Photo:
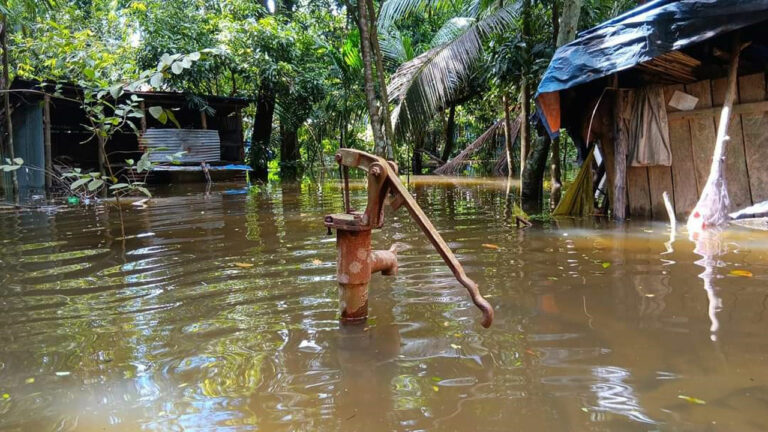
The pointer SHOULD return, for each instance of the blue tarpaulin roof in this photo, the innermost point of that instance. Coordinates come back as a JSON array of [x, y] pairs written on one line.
[[643, 33]]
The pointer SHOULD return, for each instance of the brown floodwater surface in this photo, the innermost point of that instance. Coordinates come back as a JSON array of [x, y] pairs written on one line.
[[218, 311]]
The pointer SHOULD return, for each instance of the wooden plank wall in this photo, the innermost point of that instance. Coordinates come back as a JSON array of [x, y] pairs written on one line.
[[693, 141]]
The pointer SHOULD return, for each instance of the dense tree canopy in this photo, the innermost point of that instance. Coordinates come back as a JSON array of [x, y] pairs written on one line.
[[427, 78]]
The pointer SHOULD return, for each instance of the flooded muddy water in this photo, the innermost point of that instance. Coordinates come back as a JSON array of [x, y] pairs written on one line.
[[219, 311]]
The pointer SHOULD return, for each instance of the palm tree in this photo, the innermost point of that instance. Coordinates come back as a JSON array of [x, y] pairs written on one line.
[[428, 83]]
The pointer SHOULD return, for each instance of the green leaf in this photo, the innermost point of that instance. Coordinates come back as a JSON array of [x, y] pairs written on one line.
[[144, 190], [172, 118], [195, 56], [156, 111], [692, 400], [79, 183], [116, 91], [95, 184], [119, 186], [177, 68], [18, 161], [129, 161], [156, 80], [166, 59], [89, 73]]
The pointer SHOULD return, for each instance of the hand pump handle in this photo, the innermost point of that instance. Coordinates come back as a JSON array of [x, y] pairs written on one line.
[[382, 179]]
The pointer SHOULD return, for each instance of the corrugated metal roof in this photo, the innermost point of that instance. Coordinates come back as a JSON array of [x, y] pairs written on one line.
[[200, 145]]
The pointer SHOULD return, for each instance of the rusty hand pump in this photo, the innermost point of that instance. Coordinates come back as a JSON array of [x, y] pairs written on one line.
[[356, 262]]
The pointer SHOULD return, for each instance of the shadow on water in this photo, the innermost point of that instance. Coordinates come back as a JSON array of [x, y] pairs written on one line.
[[219, 311]]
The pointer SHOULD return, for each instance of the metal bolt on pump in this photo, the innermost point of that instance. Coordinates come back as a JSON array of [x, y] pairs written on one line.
[[356, 261]]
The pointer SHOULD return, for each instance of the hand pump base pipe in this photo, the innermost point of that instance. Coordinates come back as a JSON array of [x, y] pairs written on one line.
[[356, 261]]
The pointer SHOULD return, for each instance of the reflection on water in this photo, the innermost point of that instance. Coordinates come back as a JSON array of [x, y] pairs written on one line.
[[218, 311], [710, 246]]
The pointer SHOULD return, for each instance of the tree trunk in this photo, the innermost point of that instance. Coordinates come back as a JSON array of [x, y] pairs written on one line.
[[569, 21], [566, 32], [556, 185], [379, 142], [417, 157], [525, 125], [508, 138], [262, 133], [289, 152], [7, 105], [532, 194], [374, 38], [450, 131], [555, 22]]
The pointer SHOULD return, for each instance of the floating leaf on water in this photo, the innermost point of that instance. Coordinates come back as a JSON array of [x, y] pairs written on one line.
[[606, 264], [316, 261], [692, 400], [454, 346], [490, 246], [243, 265], [585, 409], [64, 373], [436, 388], [436, 379], [29, 380], [742, 273], [6, 396]]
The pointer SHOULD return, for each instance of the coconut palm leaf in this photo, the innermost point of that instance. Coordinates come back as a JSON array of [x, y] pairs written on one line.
[[455, 165], [395, 47], [450, 30], [425, 85], [392, 10]]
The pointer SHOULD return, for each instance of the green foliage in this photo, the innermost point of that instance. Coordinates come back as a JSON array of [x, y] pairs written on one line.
[[306, 55], [11, 165]]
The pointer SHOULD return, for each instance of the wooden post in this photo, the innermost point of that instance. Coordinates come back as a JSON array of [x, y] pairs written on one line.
[[620, 147], [47, 140], [712, 208], [144, 118], [142, 125], [241, 138], [203, 120]]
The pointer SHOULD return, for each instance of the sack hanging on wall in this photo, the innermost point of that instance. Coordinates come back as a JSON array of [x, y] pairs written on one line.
[[649, 129]]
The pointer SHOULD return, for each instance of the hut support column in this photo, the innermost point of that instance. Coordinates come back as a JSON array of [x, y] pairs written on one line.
[[619, 159], [47, 141], [712, 208], [203, 120]]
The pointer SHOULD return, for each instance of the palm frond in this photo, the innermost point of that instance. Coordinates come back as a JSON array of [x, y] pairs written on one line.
[[453, 166], [450, 30], [392, 10], [426, 84], [395, 48]]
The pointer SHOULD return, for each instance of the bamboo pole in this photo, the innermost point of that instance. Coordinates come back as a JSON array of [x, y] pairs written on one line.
[[711, 210]]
